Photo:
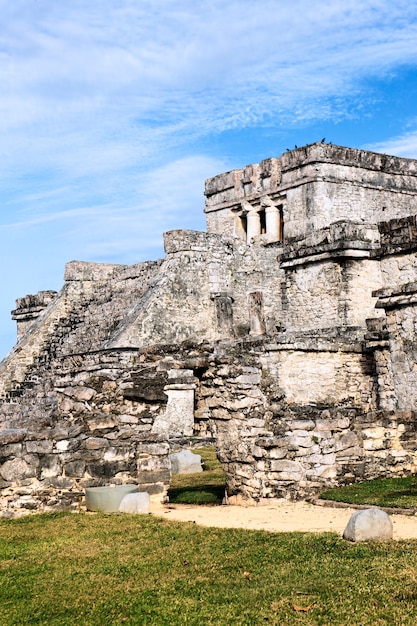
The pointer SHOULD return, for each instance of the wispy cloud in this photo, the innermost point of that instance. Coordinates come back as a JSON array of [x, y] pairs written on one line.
[[197, 67], [131, 224], [405, 145], [93, 91], [110, 110]]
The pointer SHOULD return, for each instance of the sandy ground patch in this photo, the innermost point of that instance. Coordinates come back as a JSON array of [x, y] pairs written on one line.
[[285, 517]]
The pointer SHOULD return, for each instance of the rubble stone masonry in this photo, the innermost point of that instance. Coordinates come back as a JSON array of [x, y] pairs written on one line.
[[284, 336]]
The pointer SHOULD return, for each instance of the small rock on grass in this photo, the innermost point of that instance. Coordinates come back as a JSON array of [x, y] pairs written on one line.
[[369, 525]]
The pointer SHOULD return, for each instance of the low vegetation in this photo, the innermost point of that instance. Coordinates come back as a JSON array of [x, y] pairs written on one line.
[[203, 488], [95, 569], [383, 492]]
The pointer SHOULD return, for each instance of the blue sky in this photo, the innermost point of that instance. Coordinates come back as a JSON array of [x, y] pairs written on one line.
[[113, 112]]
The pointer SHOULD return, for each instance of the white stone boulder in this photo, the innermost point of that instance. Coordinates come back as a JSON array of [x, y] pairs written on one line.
[[368, 525], [185, 462], [135, 503]]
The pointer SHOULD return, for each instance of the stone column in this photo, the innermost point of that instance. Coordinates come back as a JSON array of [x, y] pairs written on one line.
[[273, 222], [253, 224], [273, 219], [256, 314], [178, 419], [224, 314]]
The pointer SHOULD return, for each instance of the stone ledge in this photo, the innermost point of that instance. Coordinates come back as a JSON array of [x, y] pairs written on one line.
[[334, 252]]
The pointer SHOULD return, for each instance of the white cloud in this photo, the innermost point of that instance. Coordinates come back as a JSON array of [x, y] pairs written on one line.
[[405, 145], [167, 197], [198, 63], [108, 107]]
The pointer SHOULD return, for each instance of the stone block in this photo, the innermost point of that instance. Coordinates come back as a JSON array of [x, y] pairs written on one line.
[[16, 470], [302, 425], [325, 472], [105, 470], [374, 444], [59, 433], [185, 462], [288, 476], [152, 449], [12, 449], [346, 440], [248, 379], [81, 394], [74, 469], [135, 503], [221, 414], [58, 482], [356, 452], [276, 453], [96, 443], [50, 466], [322, 459], [63, 445], [295, 442], [154, 489], [369, 525], [152, 464], [12, 435], [103, 422], [157, 476], [39, 447], [322, 424], [286, 466], [128, 419]]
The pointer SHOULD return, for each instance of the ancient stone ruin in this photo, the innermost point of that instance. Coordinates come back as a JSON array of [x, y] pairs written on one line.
[[285, 334]]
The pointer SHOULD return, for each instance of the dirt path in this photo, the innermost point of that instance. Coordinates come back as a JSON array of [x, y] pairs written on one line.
[[282, 517]]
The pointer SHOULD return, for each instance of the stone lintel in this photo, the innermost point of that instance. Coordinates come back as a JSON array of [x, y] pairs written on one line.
[[331, 255], [180, 386], [315, 345], [23, 315], [376, 344], [398, 290], [393, 297], [396, 301]]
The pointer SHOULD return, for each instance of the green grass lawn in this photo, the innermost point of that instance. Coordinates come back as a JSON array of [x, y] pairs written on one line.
[[383, 492], [203, 488], [96, 569]]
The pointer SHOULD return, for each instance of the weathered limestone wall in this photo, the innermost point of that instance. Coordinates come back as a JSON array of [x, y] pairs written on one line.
[[274, 445], [330, 293], [400, 306], [316, 204], [80, 318], [93, 427], [316, 185], [288, 420], [393, 342], [338, 375], [294, 348], [203, 292]]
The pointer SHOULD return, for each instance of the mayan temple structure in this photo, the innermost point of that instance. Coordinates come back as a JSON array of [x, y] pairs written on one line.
[[285, 335]]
